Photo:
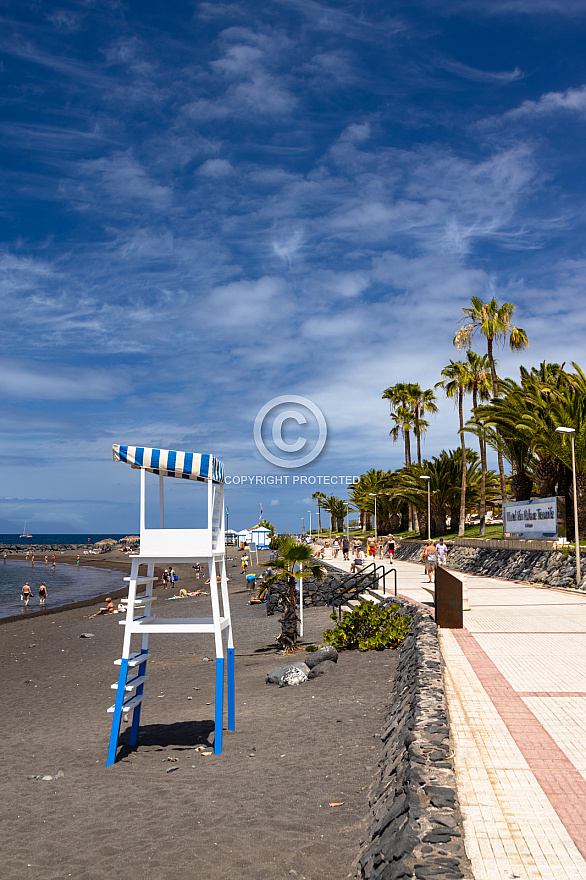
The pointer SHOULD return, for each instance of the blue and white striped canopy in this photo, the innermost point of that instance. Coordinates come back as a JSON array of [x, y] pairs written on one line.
[[172, 463]]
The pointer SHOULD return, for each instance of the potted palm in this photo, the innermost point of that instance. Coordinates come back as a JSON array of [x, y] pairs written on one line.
[[292, 564]]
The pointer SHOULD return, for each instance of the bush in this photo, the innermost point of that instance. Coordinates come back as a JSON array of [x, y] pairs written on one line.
[[368, 627]]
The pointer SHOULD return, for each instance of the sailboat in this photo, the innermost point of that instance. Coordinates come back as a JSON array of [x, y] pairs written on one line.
[[25, 534]]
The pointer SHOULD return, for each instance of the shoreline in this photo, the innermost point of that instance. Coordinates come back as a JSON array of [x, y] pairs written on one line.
[[69, 557]]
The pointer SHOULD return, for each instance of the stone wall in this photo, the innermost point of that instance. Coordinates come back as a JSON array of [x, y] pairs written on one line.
[[550, 568], [415, 827]]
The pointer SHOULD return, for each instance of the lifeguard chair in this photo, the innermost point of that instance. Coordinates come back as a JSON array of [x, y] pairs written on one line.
[[205, 545]]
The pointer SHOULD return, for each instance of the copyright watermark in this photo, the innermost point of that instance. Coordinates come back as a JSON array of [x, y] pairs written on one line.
[[290, 431]]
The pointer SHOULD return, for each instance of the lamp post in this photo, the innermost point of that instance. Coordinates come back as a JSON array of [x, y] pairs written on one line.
[[375, 496], [348, 522], [428, 506], [309, 512], [571, 432], [303, 525]]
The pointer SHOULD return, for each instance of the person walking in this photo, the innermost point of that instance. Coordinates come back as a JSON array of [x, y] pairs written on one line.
[[371, 546], [346, 548], [42, 593], [442, 552], [336, 547], [429, 559], [26, 593], [391, 547]]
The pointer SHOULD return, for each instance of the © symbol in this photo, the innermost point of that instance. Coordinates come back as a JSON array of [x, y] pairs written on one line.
[[296, 413]]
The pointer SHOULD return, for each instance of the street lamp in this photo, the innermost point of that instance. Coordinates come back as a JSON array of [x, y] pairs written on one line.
[[347, 522], [571, 432], [303, 524], [309, 512], [428, 506], [375, 496]]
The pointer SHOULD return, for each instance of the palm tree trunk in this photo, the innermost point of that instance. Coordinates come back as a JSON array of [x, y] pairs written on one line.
[[482, 444], [418, 435], [495, 393], [482, 507], [289, 620], [462, 523]]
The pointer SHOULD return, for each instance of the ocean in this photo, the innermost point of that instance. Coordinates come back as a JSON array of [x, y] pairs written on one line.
[[68, 583], [82, 538]]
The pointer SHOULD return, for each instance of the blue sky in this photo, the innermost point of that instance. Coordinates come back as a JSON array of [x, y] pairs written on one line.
[[207, 205]]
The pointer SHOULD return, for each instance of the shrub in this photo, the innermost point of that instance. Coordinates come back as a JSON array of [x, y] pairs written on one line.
[[368, 627]]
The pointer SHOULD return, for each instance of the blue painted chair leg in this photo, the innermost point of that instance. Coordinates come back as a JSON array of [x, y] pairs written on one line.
[[117, 718], [231, 691], [219, 720], [136, 712]]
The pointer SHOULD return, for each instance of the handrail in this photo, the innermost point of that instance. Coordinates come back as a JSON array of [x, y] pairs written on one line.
[[349, 588]]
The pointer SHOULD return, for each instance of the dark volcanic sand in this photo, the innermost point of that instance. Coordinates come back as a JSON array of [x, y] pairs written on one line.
[[230, 816]]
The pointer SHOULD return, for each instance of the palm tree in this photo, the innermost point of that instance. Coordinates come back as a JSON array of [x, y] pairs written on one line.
[[399, 396], [479, 383], [493, 321], [421, 402], [403, 420], [566, 408], [360, 494], [455, 384], [337, 511], [319, 497], [292, 554], [445, 472]]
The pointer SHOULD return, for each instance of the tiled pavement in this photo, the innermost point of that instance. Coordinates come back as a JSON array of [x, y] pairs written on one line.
[[516, 689]]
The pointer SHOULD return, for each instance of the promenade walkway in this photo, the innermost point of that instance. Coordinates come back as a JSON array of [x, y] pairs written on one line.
[[516, 689]]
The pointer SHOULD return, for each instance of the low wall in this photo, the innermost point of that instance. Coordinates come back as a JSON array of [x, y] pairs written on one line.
[[548, 567], [415, 826]]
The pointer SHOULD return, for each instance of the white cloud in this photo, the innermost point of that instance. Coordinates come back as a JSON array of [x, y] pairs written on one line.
[[45, 381], [215, 168], [125, 180], [245, 304], [571, 101]]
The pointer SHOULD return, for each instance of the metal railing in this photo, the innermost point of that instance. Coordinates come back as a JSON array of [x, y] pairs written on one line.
[[352, 586]]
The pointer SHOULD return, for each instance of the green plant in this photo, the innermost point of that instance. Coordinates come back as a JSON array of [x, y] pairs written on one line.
[[311, 649], [292, 564], [368, 627]]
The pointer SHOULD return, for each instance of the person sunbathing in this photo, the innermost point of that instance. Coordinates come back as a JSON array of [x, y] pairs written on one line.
[[107, 610]]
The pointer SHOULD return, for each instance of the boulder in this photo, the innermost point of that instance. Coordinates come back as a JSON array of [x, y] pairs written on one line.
[[275, 675], [321, 668], [293, 676], [325, 653]]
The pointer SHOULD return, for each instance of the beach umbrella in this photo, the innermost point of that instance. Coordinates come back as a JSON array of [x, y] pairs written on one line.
[[105, 541]]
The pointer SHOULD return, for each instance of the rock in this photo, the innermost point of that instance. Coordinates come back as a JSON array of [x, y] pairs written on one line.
[[326, 653], [321, 668], [87, 636], [59, 775], [293, 676], [47, 778], [275, 675]]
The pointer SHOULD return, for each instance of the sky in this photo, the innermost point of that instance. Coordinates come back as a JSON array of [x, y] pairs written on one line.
[[208, 205]]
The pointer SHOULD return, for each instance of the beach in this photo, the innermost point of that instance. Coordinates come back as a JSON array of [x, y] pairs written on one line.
[[288, 794]]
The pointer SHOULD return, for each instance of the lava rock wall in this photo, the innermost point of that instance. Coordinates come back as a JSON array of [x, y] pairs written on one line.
[[550, 568], [415, 827]]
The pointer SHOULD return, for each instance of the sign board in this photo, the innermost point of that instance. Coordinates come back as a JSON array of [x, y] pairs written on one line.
[[448, 600], [538, 518]]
